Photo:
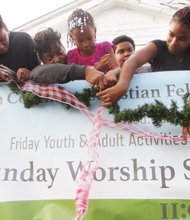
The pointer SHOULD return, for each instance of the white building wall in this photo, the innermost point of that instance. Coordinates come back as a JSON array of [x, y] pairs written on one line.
[[112, 17], [138, 25]]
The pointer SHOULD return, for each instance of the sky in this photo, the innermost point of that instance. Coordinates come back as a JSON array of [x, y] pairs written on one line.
[[18, 12]]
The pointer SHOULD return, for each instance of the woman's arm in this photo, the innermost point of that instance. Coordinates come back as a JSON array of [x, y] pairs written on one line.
[[137, 59]]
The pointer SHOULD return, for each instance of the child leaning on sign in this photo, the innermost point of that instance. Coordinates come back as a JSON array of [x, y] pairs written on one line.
[[82, 33], [49, 47], [47, 44], [54, 68], [172, 54], [16, 50], [124, 47]]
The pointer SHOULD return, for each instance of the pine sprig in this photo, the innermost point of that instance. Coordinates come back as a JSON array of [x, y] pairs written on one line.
[[29, 99], [86, 96]]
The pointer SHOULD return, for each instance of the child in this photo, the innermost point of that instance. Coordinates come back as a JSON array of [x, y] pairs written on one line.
[[82, 32], [48, 45], [16, 50], [124, 47], [172, 54]]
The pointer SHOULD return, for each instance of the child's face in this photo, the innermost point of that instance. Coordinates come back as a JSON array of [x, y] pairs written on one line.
[[57, 54], [122, 51], [4, 40], [85, 41], [178, 39]]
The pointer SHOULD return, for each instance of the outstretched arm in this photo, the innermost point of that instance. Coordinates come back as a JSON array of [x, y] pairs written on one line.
[[56, 73], [63, 73], [139, 58], [107, 62]]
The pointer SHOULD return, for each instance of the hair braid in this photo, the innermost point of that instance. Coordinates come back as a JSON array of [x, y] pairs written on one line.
[[78, 19], [183, 16]]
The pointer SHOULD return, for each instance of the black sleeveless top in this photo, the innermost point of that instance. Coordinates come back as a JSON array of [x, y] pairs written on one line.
[[165, 61]]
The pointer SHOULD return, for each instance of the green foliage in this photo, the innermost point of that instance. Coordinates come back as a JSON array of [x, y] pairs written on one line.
[[157, 111], [86, 95], [30, 99]]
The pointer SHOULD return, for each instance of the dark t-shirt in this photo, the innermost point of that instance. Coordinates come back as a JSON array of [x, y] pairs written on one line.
[[165, 61], [20, 53]]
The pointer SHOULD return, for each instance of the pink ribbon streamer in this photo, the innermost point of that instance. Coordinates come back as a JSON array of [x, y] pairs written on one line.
[[87, 176], [57, 93]]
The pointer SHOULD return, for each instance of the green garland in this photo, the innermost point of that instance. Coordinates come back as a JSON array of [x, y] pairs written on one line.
[[158, 112], [31, 99]]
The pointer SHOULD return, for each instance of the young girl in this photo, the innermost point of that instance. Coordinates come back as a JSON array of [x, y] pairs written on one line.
[[48, 45], [82, 32], [172, 54]]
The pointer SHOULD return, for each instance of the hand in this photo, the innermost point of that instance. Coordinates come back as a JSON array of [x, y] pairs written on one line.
[[112, 95], [111, 76], [185, 132], [105, 63], [4, 76], [22, 74], [96, 78]]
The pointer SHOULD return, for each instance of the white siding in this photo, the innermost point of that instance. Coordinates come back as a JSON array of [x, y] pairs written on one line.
[[142, 21]]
